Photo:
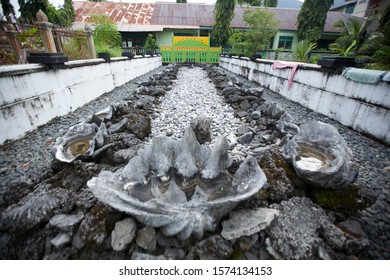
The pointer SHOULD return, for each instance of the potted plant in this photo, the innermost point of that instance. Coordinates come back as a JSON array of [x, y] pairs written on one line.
[[335, 63]]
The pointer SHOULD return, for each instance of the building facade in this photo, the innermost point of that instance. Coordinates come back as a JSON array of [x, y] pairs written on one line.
[[166, 20]]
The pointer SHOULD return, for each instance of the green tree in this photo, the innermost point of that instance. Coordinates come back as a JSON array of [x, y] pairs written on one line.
[[181, 1], [7, 7], [262, 27], [67, 14], [63, 17], [106, 35], [311, 19], [150, 44], [238, 43], [223, 16], [377, 46], [270, 3], [29, 8]]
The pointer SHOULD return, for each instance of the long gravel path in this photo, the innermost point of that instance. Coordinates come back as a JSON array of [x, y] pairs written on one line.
[[26, 160]]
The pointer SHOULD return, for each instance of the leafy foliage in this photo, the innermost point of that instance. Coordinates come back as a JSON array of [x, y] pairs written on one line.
[[63, 17], [28, 9], [270, 3], [262, 27], [76, 47], [377, 46], [181, 1], [311, 19], [341, 49], [223, 15], [150, 44], [239, 43], [7, 7], [303, 51], [106, 35]]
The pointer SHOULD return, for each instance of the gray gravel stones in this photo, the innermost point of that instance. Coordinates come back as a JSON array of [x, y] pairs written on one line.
[[27, 161], [123, 234], [193, 96]]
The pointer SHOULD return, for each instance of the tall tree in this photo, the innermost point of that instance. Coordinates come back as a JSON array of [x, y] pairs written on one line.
[[270, 3], [181, 1], [311, 19], [29, 8], [223, 16], [262, 27], [67, 14], [7, 7]]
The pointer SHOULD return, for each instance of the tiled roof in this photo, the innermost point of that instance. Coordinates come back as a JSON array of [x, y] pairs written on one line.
[[172, 15], [126, 13]]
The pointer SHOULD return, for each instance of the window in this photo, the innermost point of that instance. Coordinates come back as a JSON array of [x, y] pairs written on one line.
[[350, 8], [285, 42]]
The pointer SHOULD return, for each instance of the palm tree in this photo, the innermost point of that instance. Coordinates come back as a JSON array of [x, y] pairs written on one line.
[[353, 34]]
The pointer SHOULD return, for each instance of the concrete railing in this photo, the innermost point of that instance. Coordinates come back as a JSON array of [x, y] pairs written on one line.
[[31, 95], [362, 107]]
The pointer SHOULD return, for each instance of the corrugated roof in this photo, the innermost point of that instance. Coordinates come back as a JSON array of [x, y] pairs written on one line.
[[127, 13], [172, 15], [203, 15]]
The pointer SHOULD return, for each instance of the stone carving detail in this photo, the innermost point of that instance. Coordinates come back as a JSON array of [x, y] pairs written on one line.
[[180, 186], [320, 156]]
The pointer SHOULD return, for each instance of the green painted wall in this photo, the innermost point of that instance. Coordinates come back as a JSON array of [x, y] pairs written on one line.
[[285, 33], [165, 38]]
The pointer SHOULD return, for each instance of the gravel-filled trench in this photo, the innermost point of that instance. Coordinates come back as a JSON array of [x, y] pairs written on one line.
[[48, 212]]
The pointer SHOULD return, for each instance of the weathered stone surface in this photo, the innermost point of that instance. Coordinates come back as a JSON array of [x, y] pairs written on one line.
[[202, 129], [304, 231], [66, 223], [293, 234], [143, 257], [246, 138], [61, 240], [246, 242], [146, 238], [320, 156], [123, 156], [36, 208], [98, 224], [247, 222], [123, 234], [256, 115], [213, 248], [172, 207], [276, 170], [139, 124]]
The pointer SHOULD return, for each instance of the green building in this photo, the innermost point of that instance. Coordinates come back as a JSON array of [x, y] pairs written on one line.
[[166, 20]]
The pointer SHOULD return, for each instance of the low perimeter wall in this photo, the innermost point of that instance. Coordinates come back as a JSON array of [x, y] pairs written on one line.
[[363, 107], [31, 95]]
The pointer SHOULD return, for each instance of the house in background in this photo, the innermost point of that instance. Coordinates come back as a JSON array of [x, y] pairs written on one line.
[[360, 8], [166, 20]]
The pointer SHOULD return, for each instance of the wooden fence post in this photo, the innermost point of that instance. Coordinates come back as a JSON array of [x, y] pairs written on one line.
[[91, 44], [45, 29], [13, 38]]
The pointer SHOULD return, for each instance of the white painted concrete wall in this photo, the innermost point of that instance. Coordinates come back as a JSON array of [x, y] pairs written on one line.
[[363, 107], [31, 96]]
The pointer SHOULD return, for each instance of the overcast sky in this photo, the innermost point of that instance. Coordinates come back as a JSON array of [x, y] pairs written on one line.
[[57, 3]]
